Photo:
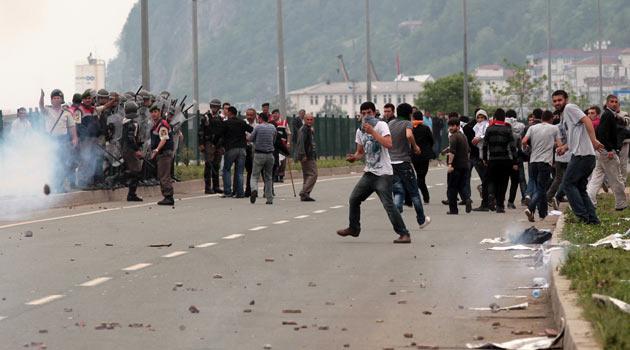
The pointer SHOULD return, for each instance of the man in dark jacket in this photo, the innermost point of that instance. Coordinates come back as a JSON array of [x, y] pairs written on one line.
[[424, 139], [209, 130], [235, 141], [499, 151], [607, 161], [305, 153], [458, 167], [132, 149]]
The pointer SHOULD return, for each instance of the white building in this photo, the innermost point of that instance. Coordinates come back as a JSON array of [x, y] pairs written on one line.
[[492, 78], [90, 75], [349, 96]]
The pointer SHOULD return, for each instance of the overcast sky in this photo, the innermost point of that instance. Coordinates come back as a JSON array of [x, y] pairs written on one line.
[[42, 40]]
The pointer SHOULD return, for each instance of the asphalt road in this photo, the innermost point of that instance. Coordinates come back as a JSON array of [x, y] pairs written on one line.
[[87, 278]]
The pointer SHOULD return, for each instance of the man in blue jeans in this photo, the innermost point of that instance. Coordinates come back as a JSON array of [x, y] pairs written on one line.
[[403, 143], [582, 144], [235, 140], [373, 141]]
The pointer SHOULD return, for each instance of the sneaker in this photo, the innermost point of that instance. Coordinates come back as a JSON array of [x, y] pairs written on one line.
[[511, 205], [530, 215], [134, 198], [307, 199], [403, 239], [527, 200], [252, 197], [445, 201], [208, 191], [451, 213], [217, 190], [167, 201], [468, 206], [348, 232], [427, 221]]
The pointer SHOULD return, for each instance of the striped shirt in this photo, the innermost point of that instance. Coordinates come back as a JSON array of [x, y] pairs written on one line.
[[263, 137]]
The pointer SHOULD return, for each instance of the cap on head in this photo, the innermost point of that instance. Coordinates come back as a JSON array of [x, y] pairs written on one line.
[[481, 112], [102, 93], [155, 107], [55, 93], [215, 102]]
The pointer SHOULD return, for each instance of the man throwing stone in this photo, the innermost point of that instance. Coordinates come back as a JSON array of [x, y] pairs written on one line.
[[373, 140]]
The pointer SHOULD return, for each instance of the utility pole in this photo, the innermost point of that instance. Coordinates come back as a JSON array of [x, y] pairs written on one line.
[[281, 81], [144, 20], [465, 59], [192, 125], [368, 58], [549, 92], [599, 49]]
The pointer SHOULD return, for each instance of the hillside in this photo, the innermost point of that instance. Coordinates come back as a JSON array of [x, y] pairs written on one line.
[[237, 40]]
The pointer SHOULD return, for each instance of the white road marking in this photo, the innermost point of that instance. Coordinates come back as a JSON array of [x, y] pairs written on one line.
[[136, 267], [336, 207], [301, 216], [236, 235], [370, 199], [320, 211], [174, 254], [45, 300], [440, 184], [429, 186], [2, 318], [95, 282], [205, 245], [258, 228], [281, 222]]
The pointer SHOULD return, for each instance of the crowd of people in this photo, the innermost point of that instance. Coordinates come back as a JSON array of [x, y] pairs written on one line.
[[103, 140], [568, 154]]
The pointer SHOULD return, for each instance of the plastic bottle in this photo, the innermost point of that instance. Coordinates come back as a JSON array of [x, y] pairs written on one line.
[[539, 281], [536, 293]]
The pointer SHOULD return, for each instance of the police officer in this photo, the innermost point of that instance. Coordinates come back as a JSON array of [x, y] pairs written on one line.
[[162, 151], [132, 149], [210, 127]]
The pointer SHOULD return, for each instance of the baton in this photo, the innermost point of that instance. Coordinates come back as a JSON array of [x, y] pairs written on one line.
[[137, 92]]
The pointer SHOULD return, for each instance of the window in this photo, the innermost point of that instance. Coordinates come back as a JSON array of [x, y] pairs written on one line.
[[312, 100], [404, 98], [398, 99], [316, 99], [375, 99]]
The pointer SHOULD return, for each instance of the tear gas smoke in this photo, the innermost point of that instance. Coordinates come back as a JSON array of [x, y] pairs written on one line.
[[26, 163]]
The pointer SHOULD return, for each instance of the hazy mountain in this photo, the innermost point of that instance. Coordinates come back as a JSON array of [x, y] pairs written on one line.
[[237, 40]]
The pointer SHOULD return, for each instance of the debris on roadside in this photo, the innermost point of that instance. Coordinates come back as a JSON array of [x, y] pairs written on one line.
[[312, 284], [193, 309], [604, 299], [523, 332], [28, 234], [252, 302], [291, 311], [217, 276], [494, 307], [289, 323], [512, 247], [496, 240], [160, 245], [616, 240], [408, 335], [541, 343], [500, 296], [269, 260], [108, 326]]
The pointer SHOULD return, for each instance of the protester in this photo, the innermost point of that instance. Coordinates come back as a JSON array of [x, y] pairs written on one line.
[[541, 139], [162, 152], [582, 144], [424, 139], [235, 141], [306, 153], [555, 193], [480, 166], [263, 137], [373, 141], [437, 129], [517, 177], [499, 152], [404, 180], [21, 127], [607, 161], [252, 119], [458, 167]]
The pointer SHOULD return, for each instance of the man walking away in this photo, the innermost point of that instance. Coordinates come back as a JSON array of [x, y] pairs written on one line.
[[540, 138], [263, 137], [404, 181], [582, 144], [607, 161], [424, 139], [306, 154], [458, 166], [373, 140], [499, 151], [234, 140]]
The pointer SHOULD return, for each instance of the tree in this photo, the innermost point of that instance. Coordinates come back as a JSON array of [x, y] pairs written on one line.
[[447, 94], [521, 90]]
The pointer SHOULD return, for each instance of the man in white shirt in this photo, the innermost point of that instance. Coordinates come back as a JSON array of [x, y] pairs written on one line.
[[373, 141], [583, 145], [20, 126]]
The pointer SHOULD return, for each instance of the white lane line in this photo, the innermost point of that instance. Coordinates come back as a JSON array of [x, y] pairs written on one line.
[[234, 236], [136, 267], [320, 211], [370, 199], [429, 186], [281, 222], [336, 207], [2, 318], [45, 300], [258, 228], [95, 282], [94, 212], [174, 254], [205, 245], [301, 216], [440, 184]]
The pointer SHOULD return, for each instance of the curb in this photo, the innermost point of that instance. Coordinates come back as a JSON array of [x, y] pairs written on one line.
[[578, 332], [78, 198]]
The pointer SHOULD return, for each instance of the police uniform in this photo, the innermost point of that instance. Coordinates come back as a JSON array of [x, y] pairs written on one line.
[[210, 129], [161, 131], [131, 144]]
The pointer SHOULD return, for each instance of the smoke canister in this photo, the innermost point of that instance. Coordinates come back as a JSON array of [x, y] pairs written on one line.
[[536, 293]]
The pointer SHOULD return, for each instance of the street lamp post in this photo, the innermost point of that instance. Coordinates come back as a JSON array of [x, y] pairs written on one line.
[[192, 125], [144, 35], [549, 104], [281, 78], [368, 59], [599, 49], [465, 58]]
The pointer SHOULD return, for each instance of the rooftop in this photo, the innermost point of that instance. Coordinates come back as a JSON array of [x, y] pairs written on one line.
[[360, 87]]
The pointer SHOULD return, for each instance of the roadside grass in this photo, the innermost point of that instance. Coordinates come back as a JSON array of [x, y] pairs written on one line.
[[193, 171], [600, 270]]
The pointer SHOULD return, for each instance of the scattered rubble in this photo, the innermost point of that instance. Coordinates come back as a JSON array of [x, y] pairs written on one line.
[[108, 326], [193, 309], [289, 323], [291, 311], [160, 245], [408, 335], [28, 234], [217, 276]]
